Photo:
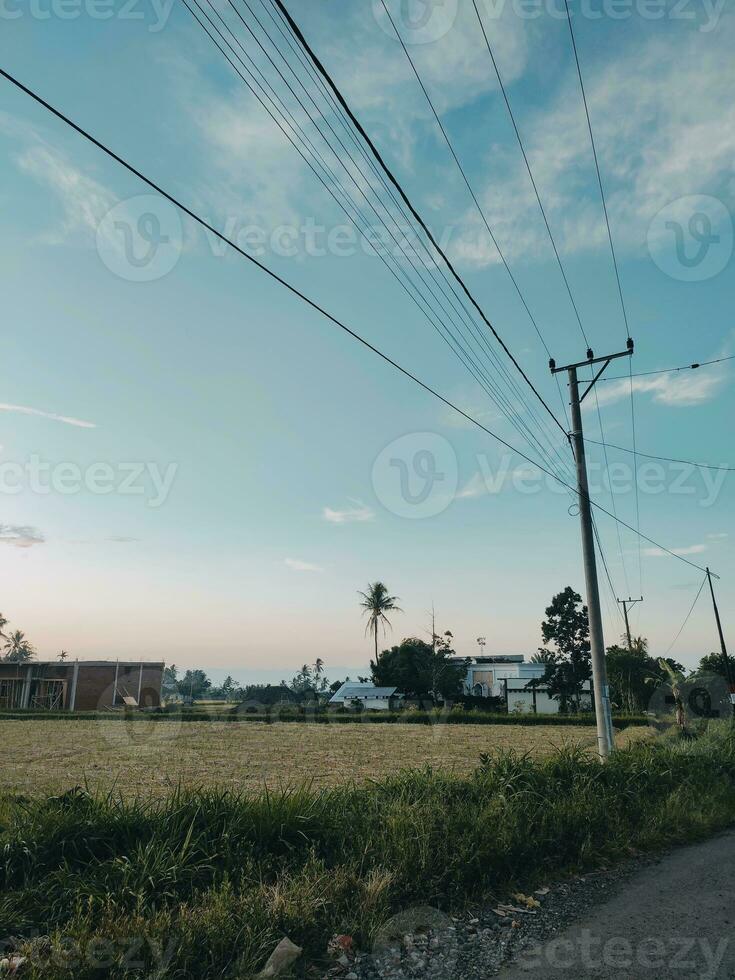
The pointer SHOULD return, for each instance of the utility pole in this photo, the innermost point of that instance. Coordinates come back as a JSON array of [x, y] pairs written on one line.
[[597, 642], [726, 659], [625, 603]]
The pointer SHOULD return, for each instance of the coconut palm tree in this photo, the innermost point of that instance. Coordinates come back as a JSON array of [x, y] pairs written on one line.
[[376, 602], [17, 648], [675, 680], [3, 624], [318, 667]]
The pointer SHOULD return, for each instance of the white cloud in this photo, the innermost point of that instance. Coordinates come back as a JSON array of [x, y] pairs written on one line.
[[718, 537], [301, 566], [681, 389], [358, 513], [692, 549], [84, 201], [66, 419], [20, 536]]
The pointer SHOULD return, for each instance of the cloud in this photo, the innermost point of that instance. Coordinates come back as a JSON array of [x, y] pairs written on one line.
[[67, 419], [681, 389], [718, 537], [122, 539], [692, 549], [359, 513], [84, 201], [20, 535], [301, 566]]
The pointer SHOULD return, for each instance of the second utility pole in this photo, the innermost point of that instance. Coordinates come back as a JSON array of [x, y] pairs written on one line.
[[603, 714], [625, 603]]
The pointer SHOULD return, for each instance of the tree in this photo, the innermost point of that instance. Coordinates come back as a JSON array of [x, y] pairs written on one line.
[[376, 602], [63, 655], [629, 674], [567, 627], [318, 667], [675, 680], [17, 648], [713, 663], [307, 682], [420, 671], [194, 684], [3, 624], [169, 682]]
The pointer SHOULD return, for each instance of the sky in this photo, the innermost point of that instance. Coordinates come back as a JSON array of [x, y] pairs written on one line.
[[195, 466]]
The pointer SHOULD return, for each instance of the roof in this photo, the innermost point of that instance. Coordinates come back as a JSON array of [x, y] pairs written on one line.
[[351, 690]]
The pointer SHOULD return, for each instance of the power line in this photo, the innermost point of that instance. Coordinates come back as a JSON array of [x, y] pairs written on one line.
[[504, 403], [635, 473], [664, 459], [597, 168], [530, 174], [313, 304], [686, 620], [684, 367], [472, 194], [376, 153]]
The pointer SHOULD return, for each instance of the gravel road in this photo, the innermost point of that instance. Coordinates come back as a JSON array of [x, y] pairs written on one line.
[[650, 918]]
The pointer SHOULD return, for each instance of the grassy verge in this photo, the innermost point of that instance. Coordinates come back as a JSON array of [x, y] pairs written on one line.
[[324, 716], [204, 884]]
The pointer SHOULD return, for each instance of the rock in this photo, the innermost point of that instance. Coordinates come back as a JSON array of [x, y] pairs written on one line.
[[280, 959], [12, 964], [344, 959], [506, 921]]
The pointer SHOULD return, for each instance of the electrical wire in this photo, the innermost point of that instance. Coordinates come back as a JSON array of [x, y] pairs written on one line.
[[376, 153], [686, 619], [472, 194], [503, 402], [597, 168], [684, 367], [664, 459], [530, 173], [312, 303]]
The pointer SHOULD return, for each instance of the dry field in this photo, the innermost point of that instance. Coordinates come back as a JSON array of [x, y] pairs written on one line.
[[41, 757]]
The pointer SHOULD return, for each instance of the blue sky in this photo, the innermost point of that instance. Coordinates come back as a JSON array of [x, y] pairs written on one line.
[[213, 478]]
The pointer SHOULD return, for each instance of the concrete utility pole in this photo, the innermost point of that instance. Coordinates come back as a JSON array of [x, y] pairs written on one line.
[[603, 714], [625, 603], [726, 659]]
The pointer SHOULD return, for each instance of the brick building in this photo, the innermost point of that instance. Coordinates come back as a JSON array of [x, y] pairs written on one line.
[[80, 685]]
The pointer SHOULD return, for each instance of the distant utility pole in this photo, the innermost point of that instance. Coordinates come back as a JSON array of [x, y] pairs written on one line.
[[625, 603], [597, 642], [726, 659]]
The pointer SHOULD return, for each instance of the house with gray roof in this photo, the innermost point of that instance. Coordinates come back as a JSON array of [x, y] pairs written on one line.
[[368, 695]]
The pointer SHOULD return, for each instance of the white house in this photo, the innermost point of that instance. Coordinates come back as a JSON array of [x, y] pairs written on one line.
[[369, 696], [506, 676]]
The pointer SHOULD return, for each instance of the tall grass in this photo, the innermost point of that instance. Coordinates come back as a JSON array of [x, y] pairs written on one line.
[[210, 881]]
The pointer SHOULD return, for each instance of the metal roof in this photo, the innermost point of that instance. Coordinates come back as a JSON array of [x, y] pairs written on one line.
[[362, 691]]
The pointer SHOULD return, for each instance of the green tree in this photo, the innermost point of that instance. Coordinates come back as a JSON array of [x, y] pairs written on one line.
[[629, 673], [569, 666], [169, 682], [419, 671], [376, 602], [713, 663], [17, 648], [194, 684]]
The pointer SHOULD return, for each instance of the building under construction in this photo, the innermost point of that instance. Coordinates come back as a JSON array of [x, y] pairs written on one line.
[[80, 685]]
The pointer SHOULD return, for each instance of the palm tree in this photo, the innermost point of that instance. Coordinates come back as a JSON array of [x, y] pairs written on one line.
[[63, 655], [376, 603], [3, 624], [318, 667], [675, 680], [17, 648]]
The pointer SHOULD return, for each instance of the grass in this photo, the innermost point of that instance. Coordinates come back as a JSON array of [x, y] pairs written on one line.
[[51, 756], [205, 884]]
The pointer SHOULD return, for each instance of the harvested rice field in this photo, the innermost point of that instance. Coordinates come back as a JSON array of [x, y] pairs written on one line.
[[148, 757]]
